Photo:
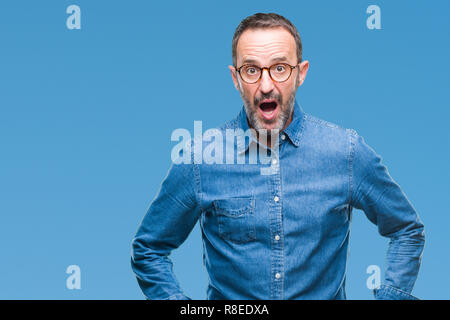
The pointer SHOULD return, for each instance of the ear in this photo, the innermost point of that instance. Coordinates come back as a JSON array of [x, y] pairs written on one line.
[[303, 70], [233, 76]]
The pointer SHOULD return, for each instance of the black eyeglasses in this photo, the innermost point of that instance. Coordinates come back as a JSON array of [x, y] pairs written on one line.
[[278, 72]]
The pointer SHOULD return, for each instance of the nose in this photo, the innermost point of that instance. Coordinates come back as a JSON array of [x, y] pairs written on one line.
[[266, 83]]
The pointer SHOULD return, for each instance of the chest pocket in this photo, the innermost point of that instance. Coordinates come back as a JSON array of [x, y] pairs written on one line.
[[236, 218]]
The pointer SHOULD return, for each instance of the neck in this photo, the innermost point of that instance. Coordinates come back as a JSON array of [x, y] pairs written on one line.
[[268, 142]]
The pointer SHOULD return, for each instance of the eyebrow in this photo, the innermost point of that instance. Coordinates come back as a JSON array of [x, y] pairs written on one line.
[[253, 61]]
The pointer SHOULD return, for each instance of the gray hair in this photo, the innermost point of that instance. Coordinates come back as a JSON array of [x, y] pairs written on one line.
[[265, 21]]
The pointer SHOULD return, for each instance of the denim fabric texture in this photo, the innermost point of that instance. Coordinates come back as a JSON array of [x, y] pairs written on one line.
[[282, 235]]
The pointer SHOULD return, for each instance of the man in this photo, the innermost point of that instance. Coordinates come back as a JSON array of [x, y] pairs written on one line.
[[282, 234]]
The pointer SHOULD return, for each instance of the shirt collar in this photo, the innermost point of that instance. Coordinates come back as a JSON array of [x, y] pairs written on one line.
[[293, 131], [295, 128]]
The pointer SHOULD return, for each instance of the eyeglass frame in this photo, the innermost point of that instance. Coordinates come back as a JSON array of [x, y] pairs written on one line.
[[268, 71]]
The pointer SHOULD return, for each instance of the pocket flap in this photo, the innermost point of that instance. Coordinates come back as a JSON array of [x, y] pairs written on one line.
[[234, 206]]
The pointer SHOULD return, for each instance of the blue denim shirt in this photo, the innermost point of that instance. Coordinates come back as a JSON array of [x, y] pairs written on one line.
[[282, 235]]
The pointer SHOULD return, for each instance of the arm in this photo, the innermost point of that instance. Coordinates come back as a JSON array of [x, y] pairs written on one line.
[[384, 203], [168, 222]]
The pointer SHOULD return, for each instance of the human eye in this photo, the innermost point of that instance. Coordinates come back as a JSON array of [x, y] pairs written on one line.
[[279, 68], [251, 70]]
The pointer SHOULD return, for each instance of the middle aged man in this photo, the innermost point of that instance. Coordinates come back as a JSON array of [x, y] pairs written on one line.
[[283, 234]]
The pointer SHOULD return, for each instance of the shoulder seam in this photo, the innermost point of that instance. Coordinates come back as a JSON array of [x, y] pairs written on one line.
[[232, 124], [196, 172], [351, 155], [323, 122]]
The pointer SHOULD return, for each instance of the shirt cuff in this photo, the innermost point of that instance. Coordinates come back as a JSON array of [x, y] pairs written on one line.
[[387, 292], [178, 296]]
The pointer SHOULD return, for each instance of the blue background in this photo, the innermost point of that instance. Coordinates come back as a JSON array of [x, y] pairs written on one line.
[[86, 117]]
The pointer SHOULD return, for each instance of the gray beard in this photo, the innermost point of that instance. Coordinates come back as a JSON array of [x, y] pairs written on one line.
[[285, 113]]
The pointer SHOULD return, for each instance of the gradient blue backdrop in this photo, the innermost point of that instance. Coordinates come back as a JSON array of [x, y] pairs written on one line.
[[86, 117]]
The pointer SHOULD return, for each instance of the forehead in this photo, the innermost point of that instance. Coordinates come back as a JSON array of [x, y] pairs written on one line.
[[264, 45]]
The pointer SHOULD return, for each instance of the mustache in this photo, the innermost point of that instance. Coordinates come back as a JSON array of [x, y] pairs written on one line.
[[274, 96]]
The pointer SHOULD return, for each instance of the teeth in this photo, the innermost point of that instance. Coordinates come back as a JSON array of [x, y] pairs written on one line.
[[268, 113]]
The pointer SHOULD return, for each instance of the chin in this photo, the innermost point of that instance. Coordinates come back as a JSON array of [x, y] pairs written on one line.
[[269, 127]]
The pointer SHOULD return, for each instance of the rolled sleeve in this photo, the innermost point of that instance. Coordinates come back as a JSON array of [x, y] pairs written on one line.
[[384, 203], [170, 218], [386, 292]]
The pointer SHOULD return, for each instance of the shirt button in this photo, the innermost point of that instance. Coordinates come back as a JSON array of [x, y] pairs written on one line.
[[274, 161], [276, 199], [277, 237], [283, 137], [277, 275]]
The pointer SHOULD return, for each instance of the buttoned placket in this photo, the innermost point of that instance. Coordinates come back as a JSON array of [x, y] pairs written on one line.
[[276, 225]]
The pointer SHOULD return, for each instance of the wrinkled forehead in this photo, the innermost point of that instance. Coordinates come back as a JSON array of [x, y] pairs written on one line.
[[263, 46]]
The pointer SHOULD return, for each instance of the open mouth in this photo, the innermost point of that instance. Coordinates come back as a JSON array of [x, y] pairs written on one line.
[[268, 109]]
